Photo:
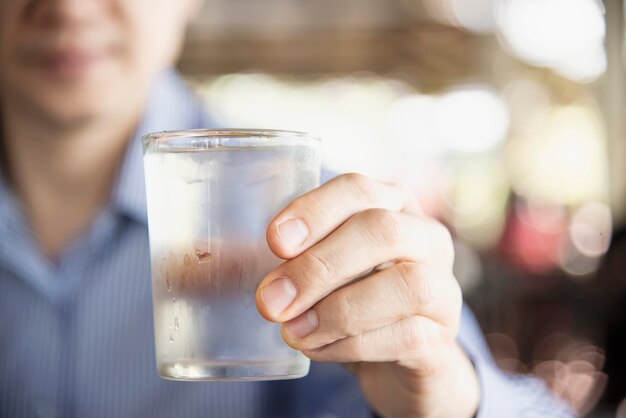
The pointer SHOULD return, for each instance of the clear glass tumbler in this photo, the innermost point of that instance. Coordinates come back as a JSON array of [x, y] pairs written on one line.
[[211, 195]]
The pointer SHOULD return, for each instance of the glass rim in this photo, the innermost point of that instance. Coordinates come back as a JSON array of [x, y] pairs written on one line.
[[228, 133]]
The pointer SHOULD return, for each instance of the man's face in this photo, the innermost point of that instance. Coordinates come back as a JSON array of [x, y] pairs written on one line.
[[71, 60]]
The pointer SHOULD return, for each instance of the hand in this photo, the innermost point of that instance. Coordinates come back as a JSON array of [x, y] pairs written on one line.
[[368, 282]]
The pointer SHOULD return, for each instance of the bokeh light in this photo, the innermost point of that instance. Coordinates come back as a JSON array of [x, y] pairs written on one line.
[[366, 121], [505, 352], [473, 15], [579, 267], [590, 230], [564, 160], [534, 236], [471, 119], [588, 240], [530, 105], [468, 267], [571, 367], [565, 35], [346, 112], [573, 370], [410, 127], [476, 199]]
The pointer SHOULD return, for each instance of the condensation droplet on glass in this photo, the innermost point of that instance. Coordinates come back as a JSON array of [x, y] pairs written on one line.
[[176, 324], [171, 339], [187, 260], [203, 256], [169, 285], [174, 299]]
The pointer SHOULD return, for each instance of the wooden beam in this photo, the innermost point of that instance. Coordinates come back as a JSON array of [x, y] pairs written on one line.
[[435, 54]]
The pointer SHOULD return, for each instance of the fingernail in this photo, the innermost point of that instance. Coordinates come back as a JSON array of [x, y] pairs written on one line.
[[293, 232], [303, 325], [278, 295]]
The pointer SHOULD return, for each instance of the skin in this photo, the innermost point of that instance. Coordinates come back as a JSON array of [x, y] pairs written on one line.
[[371, 277], [372, 287]]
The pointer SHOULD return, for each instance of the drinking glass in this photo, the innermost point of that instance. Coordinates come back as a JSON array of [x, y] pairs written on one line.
[[211, 195]]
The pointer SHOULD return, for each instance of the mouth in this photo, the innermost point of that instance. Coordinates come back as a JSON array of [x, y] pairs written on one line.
[[71, 62], [67, 58]]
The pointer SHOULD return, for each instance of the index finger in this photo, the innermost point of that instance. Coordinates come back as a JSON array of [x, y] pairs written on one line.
[[314, 215]]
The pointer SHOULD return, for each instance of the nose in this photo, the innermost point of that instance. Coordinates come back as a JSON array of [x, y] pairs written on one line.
[[64, 12]]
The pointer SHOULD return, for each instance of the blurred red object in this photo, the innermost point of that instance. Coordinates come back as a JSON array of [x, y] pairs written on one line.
[[534, 236]]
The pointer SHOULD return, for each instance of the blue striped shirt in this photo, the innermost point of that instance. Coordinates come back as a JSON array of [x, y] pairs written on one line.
[[76, 337]]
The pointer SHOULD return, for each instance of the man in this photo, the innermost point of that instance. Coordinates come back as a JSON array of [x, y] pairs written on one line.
[[80, 80]]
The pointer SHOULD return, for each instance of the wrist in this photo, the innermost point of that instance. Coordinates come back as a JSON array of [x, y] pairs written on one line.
[[449, 390], [465, 386]]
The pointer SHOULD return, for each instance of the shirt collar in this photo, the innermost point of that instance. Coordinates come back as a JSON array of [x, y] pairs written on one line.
[[170, 106]]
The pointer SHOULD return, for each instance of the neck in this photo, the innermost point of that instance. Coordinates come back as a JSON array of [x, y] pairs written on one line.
[[63, 173]]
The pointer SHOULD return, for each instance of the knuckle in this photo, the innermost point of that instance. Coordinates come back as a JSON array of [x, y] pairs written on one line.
[[356, 349], [344, 312], [364, 187], [383, 226], [314, 269], [311, 206], [414, 335], [414, 285]]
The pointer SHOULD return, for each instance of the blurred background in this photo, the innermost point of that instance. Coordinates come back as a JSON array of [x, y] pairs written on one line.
[[506, 117]]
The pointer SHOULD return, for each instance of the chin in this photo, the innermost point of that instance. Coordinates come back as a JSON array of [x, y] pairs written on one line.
[[72, 107], [75, 101]]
